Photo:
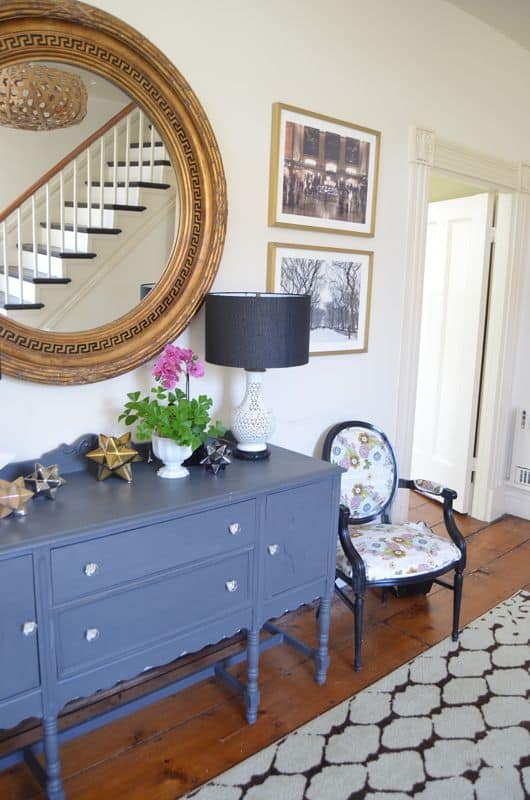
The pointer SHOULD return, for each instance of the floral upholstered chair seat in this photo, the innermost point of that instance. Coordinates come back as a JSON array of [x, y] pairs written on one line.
[[395, 551]]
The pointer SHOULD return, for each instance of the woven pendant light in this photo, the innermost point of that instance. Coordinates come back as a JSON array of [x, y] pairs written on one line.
[[35, 97]]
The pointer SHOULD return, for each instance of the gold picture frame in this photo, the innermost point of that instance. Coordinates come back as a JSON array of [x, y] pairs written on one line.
[[323, 173], [340, 283]]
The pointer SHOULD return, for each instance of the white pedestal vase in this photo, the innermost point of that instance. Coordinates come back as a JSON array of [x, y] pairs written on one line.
[[252, 422], [172, 455]]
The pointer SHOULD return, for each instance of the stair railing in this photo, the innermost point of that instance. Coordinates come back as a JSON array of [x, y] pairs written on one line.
[[79, 180]]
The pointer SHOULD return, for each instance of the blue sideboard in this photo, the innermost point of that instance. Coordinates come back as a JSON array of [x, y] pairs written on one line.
[[113, 578]]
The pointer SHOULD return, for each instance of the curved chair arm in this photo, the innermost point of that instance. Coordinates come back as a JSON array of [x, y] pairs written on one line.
[[428, 486], [358, 569], [448, 495], [422, 485]]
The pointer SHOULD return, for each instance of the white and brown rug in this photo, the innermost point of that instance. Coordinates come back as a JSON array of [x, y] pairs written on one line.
[[453, 724]]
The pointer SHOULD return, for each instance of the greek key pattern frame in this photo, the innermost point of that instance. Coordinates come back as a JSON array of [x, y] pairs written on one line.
[[37, 355]]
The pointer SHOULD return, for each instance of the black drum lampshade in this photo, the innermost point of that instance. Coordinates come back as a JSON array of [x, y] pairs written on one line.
[[257, 331]]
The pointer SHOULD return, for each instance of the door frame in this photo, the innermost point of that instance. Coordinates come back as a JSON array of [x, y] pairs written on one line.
[[428, 152]]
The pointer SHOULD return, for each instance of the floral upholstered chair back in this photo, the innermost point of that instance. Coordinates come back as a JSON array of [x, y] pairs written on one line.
[[369, 484]]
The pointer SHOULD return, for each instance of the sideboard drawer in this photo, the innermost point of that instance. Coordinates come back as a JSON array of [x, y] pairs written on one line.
[[297, 537], [109, 628], [19, 663], [90, 566]]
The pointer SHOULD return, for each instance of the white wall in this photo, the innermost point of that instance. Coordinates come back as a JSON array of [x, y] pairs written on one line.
[[383, 64]]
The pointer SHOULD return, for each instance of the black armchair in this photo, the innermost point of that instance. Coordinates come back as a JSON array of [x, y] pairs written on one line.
[[372, 551]]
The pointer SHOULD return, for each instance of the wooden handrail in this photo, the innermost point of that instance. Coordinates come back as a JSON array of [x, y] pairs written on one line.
[[66, 160]]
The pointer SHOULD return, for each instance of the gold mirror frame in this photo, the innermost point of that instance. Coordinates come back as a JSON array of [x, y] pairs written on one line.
[[76, 33]]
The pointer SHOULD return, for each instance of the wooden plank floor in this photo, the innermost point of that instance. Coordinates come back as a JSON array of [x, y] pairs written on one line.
[[171, 747]]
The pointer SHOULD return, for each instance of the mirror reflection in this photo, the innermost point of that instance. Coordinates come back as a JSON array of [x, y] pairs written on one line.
[[90, 207]]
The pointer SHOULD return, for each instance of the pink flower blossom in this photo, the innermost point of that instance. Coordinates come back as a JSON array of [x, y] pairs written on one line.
[[167, 367], [167, 376], [196, 368], [174, 362]]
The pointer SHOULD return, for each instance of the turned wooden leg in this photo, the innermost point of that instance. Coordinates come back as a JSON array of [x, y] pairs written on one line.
[[54, 784], [457, 601], [359, 609], [252, 692], [322, 655]]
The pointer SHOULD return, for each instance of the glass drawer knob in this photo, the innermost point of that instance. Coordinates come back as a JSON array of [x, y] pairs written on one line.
[[91, 569], [234, 528], [273, 549], [91, 634], [29, 628], [231, 586]]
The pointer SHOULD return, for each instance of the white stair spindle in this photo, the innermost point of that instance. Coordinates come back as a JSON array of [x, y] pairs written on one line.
[[101, 180], [74, 201], [88, 188], [61, 207], [4, 259], [48, 246], [127, 157], [19, 259], [34, 237], [115, 164], [152, 153], [140, 141]]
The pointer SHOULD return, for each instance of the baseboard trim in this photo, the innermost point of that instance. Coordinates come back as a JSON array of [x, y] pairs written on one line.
[[517, 501]]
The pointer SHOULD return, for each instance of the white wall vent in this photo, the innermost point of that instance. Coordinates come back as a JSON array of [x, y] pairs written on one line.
[[520, 471]]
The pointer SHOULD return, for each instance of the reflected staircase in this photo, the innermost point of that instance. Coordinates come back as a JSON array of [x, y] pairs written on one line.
[[77, 214]]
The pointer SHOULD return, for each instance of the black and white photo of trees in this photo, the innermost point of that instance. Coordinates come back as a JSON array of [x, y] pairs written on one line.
[[338, 283]]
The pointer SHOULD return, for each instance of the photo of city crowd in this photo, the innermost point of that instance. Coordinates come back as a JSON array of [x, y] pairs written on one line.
[[326, 174], [339, 284]]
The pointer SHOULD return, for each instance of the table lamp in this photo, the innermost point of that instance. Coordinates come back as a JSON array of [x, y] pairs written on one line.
[[256, 332]]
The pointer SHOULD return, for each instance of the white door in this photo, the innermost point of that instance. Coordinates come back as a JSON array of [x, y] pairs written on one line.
[[452, 334]]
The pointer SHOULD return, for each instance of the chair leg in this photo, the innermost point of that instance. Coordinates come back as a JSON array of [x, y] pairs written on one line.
[[358, 615], [457, 601]]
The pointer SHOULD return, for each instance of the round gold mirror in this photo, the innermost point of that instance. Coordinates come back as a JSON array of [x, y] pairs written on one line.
[[175, 151]]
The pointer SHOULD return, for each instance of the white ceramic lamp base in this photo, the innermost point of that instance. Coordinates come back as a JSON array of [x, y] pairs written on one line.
[[252, 422]]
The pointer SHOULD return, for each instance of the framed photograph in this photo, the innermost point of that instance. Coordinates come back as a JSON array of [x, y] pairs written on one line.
[[339, 282], [323, 173]]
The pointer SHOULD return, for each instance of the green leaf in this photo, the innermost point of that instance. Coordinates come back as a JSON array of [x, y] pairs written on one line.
[[171, 414]]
